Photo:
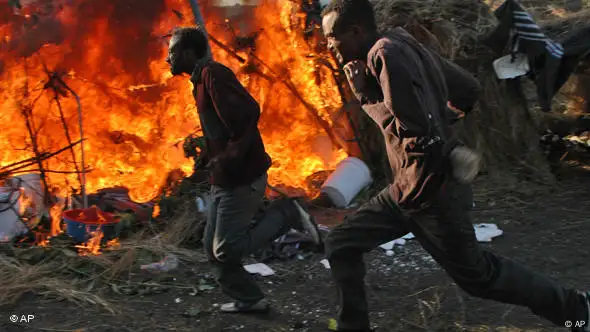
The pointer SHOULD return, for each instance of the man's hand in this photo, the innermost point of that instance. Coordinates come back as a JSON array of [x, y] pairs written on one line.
[[225, 162], [356, 73]]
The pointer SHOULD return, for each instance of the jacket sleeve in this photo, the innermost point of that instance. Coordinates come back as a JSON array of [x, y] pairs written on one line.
[[396, 71], [463, 87]]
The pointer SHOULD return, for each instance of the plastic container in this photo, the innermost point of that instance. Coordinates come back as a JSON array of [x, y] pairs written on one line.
[[81, 223], [350, 177], [10, 225], [505, 68]]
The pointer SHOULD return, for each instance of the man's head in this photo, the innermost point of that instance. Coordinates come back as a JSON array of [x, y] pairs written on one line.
[[187, 46], [349, 26]]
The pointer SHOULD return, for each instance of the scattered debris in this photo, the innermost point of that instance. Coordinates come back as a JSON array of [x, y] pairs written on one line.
[[483, 232], [400, 242], [170, 262], [205, 285], [192, 312], [486, 232], [259, 268]]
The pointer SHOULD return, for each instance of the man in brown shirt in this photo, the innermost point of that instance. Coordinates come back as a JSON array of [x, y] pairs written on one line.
[[238, 165], [406, 89]]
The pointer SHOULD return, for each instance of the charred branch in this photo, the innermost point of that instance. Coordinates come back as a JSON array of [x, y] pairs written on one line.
[[56, 84], [12, 168], [226, 48], [27, 114], [60, 88]]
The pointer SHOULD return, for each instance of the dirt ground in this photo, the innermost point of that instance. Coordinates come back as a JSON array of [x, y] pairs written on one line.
[[408, 292]]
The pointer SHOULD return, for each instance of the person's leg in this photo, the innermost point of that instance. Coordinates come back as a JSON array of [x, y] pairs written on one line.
[[236, 236], [210, 226], [445, 230], [375, 223]]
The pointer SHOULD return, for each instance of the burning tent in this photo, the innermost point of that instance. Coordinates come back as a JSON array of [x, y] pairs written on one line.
[[91, 104]]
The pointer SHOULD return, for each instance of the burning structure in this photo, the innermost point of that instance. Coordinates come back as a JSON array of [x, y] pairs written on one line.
[[90, 77]]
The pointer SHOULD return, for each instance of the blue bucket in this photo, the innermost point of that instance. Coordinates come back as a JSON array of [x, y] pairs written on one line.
[[81, 223]]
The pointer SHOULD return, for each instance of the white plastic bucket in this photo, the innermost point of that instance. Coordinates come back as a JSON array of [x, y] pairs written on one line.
[[505, 68], [350, 177], [10, 225]]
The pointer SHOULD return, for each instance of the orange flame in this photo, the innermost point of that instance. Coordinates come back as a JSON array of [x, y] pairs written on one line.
[[134, 113], [56, 225], [92, 247], [156, 211]]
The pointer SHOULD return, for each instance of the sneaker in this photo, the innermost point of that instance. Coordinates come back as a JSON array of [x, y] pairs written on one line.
[[308, 224], [261, 306]]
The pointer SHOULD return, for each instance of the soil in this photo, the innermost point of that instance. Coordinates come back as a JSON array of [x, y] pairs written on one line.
[[408, 292]]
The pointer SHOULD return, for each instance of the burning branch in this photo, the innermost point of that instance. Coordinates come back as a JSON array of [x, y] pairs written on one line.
[[287, 82], [59, 87], [27, 113], [227, 49], [19, 165]]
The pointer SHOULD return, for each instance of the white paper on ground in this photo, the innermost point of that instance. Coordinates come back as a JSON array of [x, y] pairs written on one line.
[[486, 232], [483, 232], [325, 263], [400, 242], [389, 245], [260, 268]]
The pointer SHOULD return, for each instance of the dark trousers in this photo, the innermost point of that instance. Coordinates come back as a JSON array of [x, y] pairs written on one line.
[[444, 230], [231, 234]]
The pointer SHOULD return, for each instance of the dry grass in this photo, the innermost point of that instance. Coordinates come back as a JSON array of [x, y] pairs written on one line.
[[57, 272]]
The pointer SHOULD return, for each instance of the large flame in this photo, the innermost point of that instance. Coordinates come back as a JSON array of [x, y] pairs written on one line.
[[111, 54]]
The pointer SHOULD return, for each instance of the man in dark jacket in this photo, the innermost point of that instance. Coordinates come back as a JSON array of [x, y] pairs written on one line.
[[238, 165], [405, 89]]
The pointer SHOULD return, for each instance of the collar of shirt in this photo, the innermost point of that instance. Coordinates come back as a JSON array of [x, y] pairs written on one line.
[[196, 75]]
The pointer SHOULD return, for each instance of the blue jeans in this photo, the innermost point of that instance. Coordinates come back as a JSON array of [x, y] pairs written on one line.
[[231, 234]]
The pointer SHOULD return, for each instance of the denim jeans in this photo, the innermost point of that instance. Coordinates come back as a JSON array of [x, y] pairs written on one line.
[[231, 234]]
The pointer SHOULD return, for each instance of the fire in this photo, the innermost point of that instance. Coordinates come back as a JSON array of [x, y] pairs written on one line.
[[156, 211], [92, 247], [55, 213], [134, 112]]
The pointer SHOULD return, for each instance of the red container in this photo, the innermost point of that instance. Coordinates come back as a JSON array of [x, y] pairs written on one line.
[[82, 222]]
